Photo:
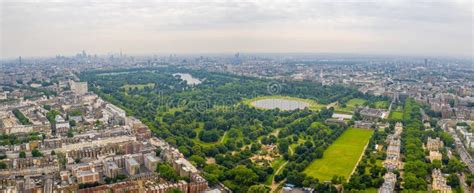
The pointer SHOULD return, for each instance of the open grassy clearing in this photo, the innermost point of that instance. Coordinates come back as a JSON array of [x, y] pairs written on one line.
[[349, 106], [355, 102], [313, 105], [382, 104], [137, 86], [396, 115], [342, 156], [295, 145]]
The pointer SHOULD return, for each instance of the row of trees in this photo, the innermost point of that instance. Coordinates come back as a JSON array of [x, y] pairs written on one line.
[[13, 139], [22, 118], [417, 168], [369, 172]]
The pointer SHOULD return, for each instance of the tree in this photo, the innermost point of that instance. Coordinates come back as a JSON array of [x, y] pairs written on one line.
[[454, 166], [209, 136], [255, 147], [121, 177], [47, 107], [436, 164], [36, 153], [22, 118], [418, 168], [22, 154], [184, 150], [212, 179], [167, 172], [51, 116], [452, 102], [242, 175], [453, 180], [470, 178], [283, 146], [414, 183], [258, 189], [72, 123], [3, 165], [175, 191], [198, 161], [75, 112], [70, 134]]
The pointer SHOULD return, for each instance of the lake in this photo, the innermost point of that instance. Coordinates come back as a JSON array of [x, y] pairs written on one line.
[[190, 80], [341, 116], [282, 104]]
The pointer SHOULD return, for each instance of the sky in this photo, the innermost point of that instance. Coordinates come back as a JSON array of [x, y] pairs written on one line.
[[49, 28]]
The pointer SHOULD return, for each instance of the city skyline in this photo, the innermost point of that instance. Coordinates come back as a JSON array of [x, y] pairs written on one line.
[[395, 28]]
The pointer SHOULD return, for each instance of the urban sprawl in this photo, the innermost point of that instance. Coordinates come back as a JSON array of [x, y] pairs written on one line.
[[57, 136]]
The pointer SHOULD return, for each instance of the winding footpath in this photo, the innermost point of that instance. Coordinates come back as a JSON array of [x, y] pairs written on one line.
[[274, 185]]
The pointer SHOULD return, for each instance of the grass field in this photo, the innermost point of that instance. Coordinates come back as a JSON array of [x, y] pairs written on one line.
[[350, 105], [342, 156], [355, 102], [313, 105], [382, 104], [396, 115]]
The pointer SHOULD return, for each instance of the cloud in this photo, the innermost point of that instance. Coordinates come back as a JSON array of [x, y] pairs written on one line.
[[54, 27]]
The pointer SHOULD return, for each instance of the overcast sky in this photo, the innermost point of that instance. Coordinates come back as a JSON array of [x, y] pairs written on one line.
[[48, 28]]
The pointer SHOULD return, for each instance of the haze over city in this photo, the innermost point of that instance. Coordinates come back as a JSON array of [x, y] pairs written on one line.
[[236, 96], [48, 28]]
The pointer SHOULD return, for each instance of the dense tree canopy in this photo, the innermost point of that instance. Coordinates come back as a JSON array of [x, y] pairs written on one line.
[[210, 120]]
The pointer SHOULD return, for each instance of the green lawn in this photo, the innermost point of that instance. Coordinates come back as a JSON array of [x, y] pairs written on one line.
[[295, 145], [137, 86], [350, 105], [342, 156], [355, 102], [396, 115], [382, 104]]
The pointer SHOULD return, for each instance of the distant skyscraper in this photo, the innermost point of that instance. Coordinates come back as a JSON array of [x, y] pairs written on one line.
[[426, 62], [19, 60], [237, 58]]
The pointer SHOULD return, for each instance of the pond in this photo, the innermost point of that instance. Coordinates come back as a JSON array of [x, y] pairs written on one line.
[[282, 104], [341, 116], [190, 80]]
